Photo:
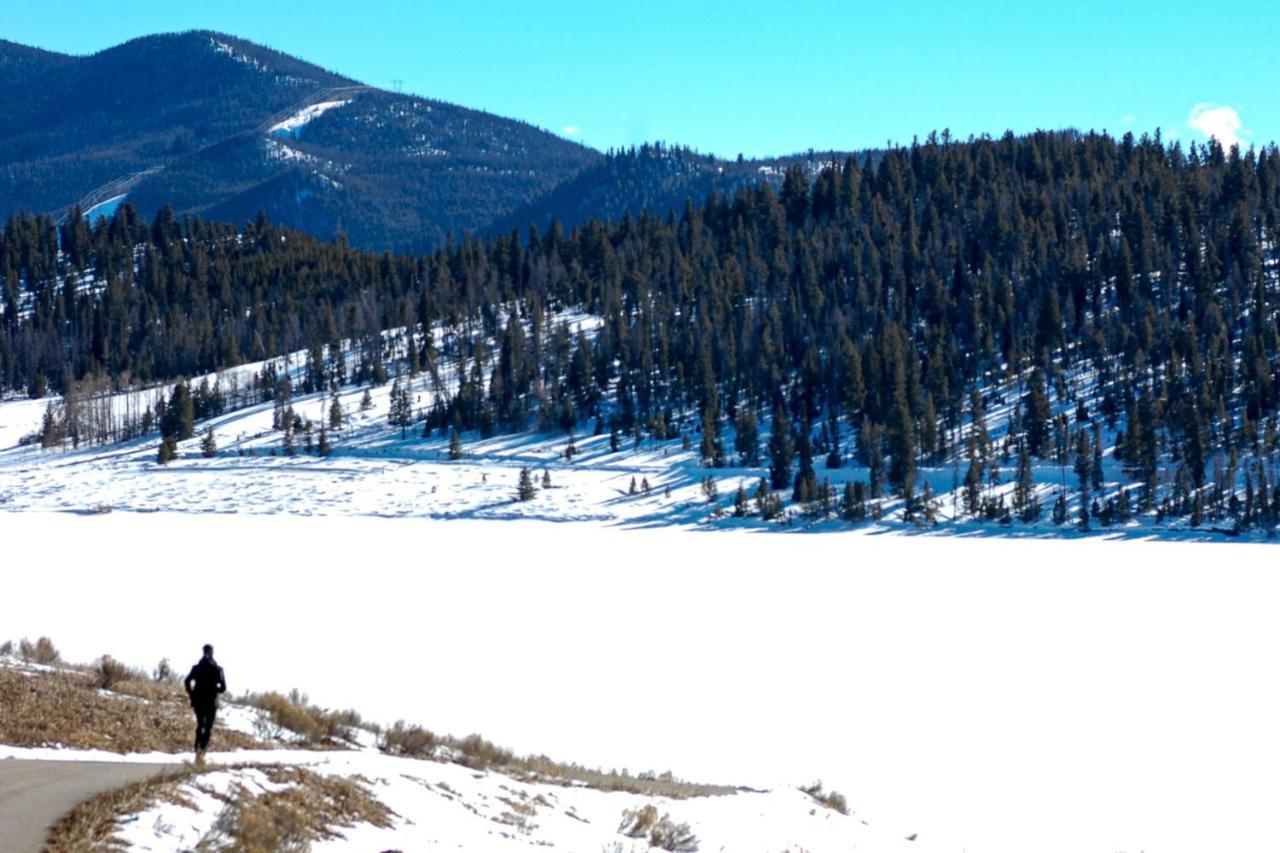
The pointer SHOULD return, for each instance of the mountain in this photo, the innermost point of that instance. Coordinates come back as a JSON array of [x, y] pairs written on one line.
[[654, 177], [221, 128], [19, 62]]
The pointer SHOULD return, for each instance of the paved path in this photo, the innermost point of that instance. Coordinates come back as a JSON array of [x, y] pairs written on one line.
[[34, 794]]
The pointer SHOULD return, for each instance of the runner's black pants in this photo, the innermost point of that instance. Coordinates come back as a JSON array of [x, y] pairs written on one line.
[[204, 724]]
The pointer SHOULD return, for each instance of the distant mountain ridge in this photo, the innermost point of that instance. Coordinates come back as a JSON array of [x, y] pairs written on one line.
[[656, 178], [221, 128], [388, 171]]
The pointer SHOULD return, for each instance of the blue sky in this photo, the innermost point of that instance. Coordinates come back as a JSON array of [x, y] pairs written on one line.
[[761, 78]]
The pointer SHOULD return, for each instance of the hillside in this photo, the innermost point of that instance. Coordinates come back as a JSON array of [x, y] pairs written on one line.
[[657, 179], [218, 128], [957, 333], [286, 774]]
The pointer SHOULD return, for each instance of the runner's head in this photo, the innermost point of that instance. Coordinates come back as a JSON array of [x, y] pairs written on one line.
[[208, 650]]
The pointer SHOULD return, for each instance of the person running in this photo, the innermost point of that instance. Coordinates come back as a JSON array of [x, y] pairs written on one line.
[[203, 684]]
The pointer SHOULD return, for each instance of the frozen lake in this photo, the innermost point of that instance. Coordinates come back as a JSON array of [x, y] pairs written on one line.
[[990, 694]]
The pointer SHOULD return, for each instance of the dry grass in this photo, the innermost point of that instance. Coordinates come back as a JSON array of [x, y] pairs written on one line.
[[313, 808], [660, 832], [42, 651], [833, 800], [543, 769], [111, 673], [479, 754], [317, 727], [66, 707], [91, 825], [409, 740]]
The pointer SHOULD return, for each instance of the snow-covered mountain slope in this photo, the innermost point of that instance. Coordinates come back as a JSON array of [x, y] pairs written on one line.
[[293, 125], [379, 468]]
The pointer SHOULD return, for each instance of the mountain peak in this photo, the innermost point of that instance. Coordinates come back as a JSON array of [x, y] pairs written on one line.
[[220, 127]]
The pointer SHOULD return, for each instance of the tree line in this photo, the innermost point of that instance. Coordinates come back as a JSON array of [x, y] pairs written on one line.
[[990, 305]]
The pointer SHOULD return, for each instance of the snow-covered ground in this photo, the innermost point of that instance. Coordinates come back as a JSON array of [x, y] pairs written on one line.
[[990, 694], [447, 806], [382, 470], [293, 125], [375, 471]]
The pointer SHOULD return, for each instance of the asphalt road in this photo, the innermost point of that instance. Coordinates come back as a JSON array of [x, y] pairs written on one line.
[[35, 794]]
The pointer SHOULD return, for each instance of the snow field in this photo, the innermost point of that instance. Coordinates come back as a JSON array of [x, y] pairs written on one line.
[[992, 695]]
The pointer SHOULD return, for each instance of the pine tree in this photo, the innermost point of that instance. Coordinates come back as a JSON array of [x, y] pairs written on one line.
[[1060, 509], [1084, 463], [546, 479], [805, 488], [179, 421], [208, 444], [1096, 472], [740, 502], [401, 411], [746, 439], [168, 450], [781, 450], [455, 445], [973, 486], [525, 490], [323, 447], [366, 401], [335, 413], [1036, 415], [900, 437], [768, 504], [710, 490], [850, 506], [50, 432]]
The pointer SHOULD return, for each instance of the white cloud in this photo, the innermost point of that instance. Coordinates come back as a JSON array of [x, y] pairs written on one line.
[[1220, 122], [572, 130]]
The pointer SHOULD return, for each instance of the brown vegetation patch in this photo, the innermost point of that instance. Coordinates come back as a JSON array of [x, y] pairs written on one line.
[[66, 707], [313, 808], [833, 800], [314, 726], [479, 754]]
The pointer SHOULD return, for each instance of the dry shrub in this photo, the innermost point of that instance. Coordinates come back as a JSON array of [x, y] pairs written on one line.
[[6, 648], [479, 754], [111, 673], [411, 740], [164, 673], [312, 808], [42, 651], [833, 800], [315, 726], [661, 832], [543, 769]]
